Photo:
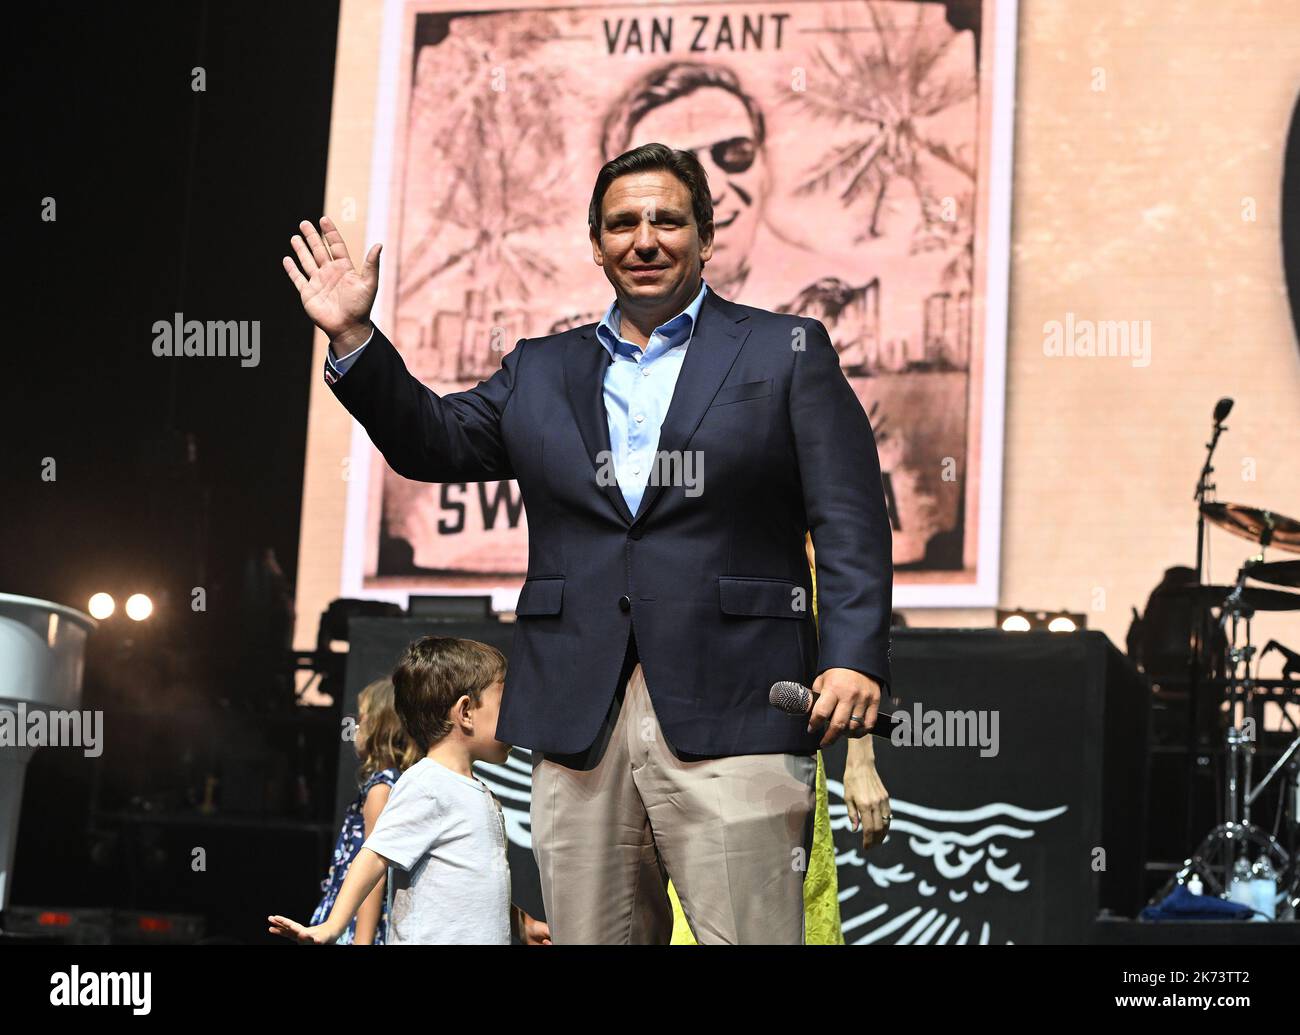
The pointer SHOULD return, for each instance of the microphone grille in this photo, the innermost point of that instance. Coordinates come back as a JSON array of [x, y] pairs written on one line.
[[788, 697]]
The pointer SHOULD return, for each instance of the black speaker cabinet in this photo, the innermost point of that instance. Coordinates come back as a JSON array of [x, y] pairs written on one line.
[[1019, 810]]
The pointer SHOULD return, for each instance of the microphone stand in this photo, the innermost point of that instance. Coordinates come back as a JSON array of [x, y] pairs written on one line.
[[1204, 487]]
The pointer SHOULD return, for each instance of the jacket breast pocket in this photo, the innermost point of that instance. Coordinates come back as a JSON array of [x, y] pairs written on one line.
[[761, 597], [541, 595], [742, 392]]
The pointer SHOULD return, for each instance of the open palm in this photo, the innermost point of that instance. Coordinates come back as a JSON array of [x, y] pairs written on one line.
[[299, 933], [334, 293]]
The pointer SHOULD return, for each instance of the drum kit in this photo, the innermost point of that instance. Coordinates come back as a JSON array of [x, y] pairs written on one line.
[[1240, 859]]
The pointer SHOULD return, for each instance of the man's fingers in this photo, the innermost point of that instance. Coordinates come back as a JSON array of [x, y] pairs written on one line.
[[370, 267], [872, 712], [305, 258], [335, 246], [839, 720], [822, 710], [295, 275], [314, 242]]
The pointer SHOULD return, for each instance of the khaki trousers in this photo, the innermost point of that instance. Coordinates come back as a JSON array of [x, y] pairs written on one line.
[[733, 833]]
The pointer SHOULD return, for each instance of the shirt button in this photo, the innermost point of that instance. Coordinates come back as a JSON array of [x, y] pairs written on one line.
[[645, 371], [625, 603], [640, 417]]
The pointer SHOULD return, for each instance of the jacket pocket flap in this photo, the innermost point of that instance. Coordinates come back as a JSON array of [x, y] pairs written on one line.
[[541, 596], [760, 598], [738, 393]]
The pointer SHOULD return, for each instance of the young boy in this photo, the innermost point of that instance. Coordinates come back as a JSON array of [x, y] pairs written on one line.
[[442, 831]]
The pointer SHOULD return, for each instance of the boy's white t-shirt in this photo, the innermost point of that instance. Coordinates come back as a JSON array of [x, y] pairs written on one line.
[[445, 836]]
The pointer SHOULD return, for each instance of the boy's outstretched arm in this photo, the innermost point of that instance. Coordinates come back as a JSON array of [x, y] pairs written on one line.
[[372, 909], [367, 869]]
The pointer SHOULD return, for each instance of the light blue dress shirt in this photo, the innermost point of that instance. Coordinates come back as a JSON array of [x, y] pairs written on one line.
[[639, 385]]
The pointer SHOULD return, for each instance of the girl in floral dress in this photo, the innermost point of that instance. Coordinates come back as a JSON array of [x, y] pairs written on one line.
[[384, 750]]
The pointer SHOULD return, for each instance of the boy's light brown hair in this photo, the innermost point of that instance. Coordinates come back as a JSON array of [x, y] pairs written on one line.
[[433, 674], [387, 744]]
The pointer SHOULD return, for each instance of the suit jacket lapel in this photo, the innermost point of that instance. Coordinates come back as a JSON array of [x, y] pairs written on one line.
[[585, 363], [719, 333]]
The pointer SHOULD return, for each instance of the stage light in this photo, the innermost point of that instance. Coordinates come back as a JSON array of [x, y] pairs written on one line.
[[1020, 620], [101, 606], [138, 607]]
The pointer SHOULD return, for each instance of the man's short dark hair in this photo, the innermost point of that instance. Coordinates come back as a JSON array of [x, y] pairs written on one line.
[[652, 158]]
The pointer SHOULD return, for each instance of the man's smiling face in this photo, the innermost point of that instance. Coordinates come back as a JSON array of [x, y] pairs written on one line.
[[649, 244]]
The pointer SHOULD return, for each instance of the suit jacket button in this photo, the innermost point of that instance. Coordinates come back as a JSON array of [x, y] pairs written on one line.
[[625, 603]]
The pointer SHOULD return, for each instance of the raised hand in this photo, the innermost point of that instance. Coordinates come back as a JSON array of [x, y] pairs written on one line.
[[334, 293]]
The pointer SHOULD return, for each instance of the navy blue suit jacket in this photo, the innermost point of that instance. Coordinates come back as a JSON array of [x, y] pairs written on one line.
[[715, 583]]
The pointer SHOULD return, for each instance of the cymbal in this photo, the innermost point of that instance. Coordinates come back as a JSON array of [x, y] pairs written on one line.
[[1261, 526], [1279, 573], [1251, 596]]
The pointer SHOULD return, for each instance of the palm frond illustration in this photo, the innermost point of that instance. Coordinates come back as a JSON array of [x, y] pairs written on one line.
[[936, 894], [497, 156], [900, 85]]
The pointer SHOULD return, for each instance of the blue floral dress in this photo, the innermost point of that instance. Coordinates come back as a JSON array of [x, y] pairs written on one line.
[[351, 837]]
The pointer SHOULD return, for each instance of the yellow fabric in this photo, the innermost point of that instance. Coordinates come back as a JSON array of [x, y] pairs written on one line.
[[821, 905]]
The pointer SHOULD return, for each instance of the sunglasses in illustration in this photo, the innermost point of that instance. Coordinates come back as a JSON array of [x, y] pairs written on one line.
[[735, 155]]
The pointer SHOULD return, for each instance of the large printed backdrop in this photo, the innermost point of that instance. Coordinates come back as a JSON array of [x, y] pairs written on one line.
[[846, 147]]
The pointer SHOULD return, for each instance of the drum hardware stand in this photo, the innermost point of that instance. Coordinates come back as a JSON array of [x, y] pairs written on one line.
[[1225, 844]]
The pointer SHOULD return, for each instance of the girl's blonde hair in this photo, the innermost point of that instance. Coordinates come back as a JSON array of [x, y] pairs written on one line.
[[387, 744]]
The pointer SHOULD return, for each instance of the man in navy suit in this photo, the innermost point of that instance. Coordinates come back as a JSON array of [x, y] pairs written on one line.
[[670, 459]]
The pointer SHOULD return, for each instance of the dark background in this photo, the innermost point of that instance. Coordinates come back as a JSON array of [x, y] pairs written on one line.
[[171, 473], [168, 200]]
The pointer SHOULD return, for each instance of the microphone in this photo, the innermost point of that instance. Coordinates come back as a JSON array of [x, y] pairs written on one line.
[[1221, 409], [796, 699]]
